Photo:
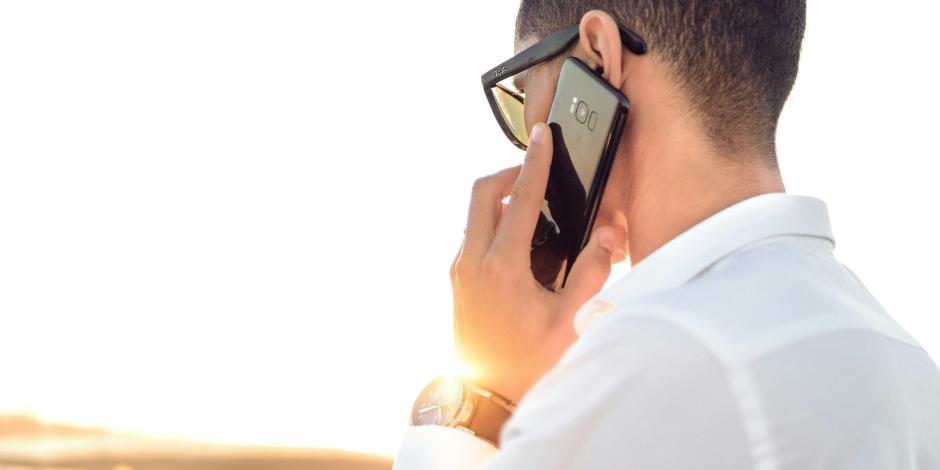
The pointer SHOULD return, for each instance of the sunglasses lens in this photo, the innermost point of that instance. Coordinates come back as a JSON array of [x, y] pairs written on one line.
[[511, 104]]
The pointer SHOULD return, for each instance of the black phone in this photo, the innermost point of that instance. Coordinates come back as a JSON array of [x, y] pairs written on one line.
[[587, 119]]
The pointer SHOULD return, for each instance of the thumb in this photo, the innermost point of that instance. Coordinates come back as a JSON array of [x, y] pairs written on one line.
[[591, 268]]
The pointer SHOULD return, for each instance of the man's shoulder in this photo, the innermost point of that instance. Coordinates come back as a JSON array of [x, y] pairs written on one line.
[[764, 297]]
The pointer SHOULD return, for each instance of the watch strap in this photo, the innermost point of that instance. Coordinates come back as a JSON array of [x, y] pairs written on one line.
[[489, 415]]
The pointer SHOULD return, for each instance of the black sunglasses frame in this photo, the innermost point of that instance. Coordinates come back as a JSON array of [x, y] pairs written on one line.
[[552, 45]]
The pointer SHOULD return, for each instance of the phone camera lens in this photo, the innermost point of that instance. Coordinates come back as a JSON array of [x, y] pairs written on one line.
[[582, 112]]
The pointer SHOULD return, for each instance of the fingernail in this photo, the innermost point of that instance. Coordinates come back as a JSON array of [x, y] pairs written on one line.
[[536, 133]]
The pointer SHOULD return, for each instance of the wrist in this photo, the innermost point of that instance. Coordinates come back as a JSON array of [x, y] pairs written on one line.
[[509, 390], [465, 405], [512, 378]]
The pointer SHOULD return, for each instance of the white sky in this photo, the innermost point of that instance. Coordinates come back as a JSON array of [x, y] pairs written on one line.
[[233, 220]]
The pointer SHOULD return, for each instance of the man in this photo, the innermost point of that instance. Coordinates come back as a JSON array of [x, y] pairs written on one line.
[[736, 341]]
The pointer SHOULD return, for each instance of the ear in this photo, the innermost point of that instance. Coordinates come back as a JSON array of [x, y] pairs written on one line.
[[600, 41]]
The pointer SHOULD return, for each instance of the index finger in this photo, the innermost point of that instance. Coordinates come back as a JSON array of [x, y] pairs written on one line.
[[484, 213], [514, 233]]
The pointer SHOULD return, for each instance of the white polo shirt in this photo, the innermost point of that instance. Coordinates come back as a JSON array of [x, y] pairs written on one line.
[[740, 344]]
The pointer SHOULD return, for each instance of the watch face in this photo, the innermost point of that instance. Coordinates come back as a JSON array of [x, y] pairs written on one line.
[[438, 403]]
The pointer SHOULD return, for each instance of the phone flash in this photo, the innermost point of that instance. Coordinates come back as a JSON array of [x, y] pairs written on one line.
[[571, 109]]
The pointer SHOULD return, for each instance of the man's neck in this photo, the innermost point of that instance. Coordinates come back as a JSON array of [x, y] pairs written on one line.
[[677, 190], [672, 178]]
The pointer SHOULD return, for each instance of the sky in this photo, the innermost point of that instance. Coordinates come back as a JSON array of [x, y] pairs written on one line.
[[232, 221]]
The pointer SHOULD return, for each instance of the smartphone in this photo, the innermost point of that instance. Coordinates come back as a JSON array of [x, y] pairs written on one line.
[[587, 119]]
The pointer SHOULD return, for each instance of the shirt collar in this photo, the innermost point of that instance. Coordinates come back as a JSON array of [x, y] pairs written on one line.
[[694, 250]]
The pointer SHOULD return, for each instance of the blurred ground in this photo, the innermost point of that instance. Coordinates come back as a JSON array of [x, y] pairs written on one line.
[[26, 443]]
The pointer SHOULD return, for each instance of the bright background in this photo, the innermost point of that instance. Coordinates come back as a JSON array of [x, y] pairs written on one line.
[[232, 221]]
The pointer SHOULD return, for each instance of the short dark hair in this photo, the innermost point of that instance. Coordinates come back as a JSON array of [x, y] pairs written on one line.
[[736, 60]]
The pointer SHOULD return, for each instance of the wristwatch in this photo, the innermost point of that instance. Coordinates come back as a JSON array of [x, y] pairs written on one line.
[[459, 403]]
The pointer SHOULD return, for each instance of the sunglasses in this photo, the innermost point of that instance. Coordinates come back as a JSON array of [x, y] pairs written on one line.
[[508, 102]]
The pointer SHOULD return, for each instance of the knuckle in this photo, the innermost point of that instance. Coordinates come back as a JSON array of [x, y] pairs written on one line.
[[459, 269], [490, 266], [495, 267], [522, 191], [480, 186], [531, 157]]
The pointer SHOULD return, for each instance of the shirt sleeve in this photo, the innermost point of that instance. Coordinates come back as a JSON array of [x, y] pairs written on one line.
[[437, 447], [637, 393]]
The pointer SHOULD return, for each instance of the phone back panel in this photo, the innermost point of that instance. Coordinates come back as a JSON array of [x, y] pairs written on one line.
[[584, 110]]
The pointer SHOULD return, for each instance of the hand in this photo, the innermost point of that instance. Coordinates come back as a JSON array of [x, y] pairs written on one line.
[[509, 328]]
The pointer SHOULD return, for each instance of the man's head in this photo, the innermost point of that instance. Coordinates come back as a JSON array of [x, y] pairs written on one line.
[[706, 99], [735, 61]]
